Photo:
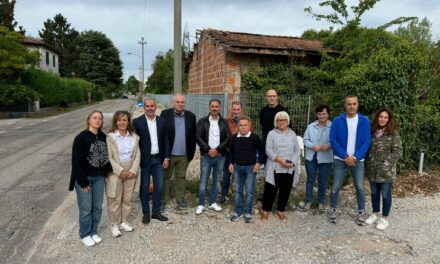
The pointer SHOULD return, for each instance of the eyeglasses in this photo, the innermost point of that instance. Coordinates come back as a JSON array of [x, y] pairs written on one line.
[[279, 120]]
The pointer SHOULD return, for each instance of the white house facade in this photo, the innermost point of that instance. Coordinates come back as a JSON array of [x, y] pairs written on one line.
[[49, 59]]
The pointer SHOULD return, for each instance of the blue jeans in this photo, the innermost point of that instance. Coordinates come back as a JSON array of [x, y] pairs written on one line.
[[358, 172], [90, 206], [153, 168], [206, 165], [323, 171], [244, 177], [226, 179], [386, 189]]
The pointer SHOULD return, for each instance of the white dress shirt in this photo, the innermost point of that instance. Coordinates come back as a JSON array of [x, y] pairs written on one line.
[[125, 146], [214, 132], [152, 128]]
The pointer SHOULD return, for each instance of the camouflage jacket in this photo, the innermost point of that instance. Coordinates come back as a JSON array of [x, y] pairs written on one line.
[[382, 158]]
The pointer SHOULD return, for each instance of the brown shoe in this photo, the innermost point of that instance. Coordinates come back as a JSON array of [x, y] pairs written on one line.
[[264, 216], [281, 216]]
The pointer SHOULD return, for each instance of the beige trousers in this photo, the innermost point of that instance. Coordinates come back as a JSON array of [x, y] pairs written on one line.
[[119, 208]]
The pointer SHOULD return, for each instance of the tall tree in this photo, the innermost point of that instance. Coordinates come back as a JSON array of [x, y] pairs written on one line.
[[132, 85], [13, 55], [59, 34], [161, 80], [99, 61], [7, 16], [13, 60]]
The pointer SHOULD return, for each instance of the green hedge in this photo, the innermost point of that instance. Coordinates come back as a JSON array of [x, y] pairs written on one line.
[[54, 89]]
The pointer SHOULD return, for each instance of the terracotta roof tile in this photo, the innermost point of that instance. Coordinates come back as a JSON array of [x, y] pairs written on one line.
[[34, 41], [37, 42], [248, 40]]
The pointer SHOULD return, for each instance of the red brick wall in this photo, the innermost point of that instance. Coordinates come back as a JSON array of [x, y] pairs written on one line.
[[206, 71]]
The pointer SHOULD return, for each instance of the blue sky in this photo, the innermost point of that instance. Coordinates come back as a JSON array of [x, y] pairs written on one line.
[[125, 21]]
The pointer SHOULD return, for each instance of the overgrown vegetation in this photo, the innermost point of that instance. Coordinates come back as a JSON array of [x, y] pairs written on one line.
[[53, 89], [399, 70], [89, 55]]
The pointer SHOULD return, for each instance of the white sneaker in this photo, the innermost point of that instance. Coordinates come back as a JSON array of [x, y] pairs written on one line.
[[97, 239], [371, 219], [215, 207], [200, 209], [382, 224], [115, 231], [88, 241], [126, 227]]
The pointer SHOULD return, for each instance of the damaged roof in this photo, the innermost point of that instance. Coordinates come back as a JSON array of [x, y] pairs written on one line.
[[257, 41]]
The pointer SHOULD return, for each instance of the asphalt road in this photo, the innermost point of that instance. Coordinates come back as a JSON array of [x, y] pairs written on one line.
[[35, 163]]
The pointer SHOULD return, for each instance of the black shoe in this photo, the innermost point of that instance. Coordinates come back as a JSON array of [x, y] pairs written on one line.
[[146, 219], [159, 217]]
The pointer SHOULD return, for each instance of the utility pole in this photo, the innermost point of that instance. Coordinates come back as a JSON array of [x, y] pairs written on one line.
[[140, 83], [142, 42], [177, 46]]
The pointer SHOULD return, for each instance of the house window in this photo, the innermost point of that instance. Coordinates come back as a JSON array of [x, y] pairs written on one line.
[[47, 58], [53, 59]]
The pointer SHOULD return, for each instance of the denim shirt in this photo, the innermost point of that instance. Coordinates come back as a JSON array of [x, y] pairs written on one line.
[[317, 135]]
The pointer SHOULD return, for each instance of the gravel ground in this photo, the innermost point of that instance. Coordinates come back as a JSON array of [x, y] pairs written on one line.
[[413, 237], [306, 237]]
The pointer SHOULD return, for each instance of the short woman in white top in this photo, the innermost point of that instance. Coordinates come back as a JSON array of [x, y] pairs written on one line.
[[124, 156]]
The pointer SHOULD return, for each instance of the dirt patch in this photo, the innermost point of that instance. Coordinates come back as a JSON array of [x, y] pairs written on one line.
[[413, 183], [370, 244]]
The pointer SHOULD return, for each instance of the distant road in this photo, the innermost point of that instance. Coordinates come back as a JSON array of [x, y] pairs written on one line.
[[35, 156]]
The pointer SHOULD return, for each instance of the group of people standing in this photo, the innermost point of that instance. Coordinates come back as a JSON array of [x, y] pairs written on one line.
[[350, 143], [161, 147], [157, 146]]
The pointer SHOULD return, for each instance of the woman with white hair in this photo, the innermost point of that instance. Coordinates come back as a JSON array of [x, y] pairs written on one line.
[[283, 154]]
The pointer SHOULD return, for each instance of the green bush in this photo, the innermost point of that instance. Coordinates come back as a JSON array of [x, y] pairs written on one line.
[[16, 93], [54, 89]]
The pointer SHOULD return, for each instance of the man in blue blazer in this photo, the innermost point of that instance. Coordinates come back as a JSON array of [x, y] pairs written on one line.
[[153, 143]]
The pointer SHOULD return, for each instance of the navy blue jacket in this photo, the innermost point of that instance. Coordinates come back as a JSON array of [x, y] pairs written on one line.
[[190, 131], [141, 126]]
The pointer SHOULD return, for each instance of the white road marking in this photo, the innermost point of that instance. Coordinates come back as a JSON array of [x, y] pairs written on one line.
[[2, 131], [17, 127]]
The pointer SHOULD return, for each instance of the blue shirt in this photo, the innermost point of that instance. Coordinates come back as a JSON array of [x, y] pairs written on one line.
[[179, 147], [317, 135]]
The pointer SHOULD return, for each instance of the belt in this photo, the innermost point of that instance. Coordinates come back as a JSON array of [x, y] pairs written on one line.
[[155, 156]]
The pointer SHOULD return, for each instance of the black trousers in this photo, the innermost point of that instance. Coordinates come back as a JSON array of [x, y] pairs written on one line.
[[283, 183]]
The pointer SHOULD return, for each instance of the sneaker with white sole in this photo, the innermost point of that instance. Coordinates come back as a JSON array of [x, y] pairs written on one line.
[[248, 218], [307, 206], [360, 221], [321, 207], [382, 224], [215, 207], [235, 217], [97, 239], [126, 227], [331, 215], [371, 219], [88, 241], [115, 231], [200, 209]]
